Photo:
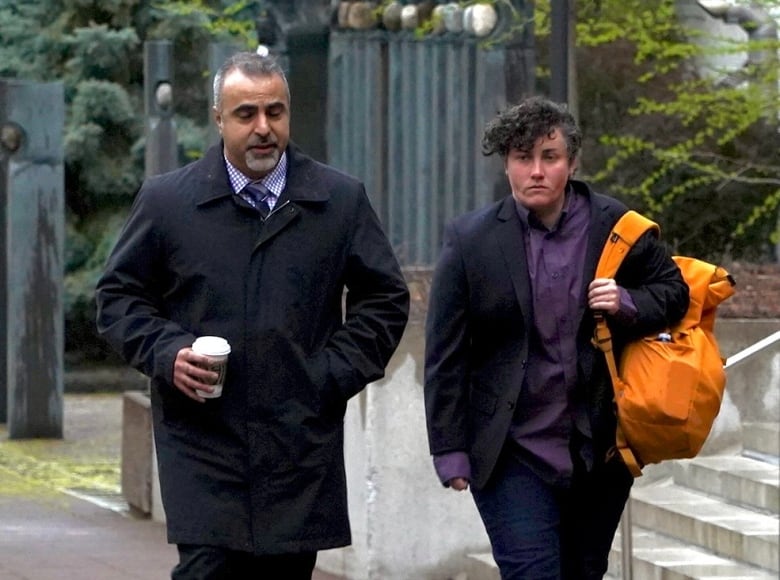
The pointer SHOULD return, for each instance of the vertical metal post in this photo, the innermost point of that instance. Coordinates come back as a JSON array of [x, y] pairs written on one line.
[[219, 52], [626, 543], [571, 51], [162, 152], [559, 50], [33, 240], [10, 141], [520, 54]]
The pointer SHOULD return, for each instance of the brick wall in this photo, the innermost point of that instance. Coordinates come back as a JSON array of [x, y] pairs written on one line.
[[758, 291]]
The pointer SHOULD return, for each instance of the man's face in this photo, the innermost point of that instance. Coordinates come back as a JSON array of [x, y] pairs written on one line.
[[254, 121], [538, 177]]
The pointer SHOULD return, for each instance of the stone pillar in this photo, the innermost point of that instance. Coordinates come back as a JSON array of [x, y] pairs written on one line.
[[32, 221], [137, 451], [405, 524]]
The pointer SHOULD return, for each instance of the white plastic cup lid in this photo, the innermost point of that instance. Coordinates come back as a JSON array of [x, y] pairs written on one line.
[[211, 345]]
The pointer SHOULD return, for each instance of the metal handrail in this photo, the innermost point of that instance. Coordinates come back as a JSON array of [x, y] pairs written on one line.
[[626, 527], [751, 350]]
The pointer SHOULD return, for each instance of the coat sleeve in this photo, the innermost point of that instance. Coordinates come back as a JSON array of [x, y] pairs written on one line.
[[128, 295], [655, 285], [376, 305], [447, 340]]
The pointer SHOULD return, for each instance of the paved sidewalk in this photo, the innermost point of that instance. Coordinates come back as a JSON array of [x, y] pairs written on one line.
[[62, 516]]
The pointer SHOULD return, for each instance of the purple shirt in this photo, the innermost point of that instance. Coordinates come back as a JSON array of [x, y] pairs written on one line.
[[549, 409]]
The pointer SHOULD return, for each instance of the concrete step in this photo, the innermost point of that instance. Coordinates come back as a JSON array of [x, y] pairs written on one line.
[[738, 480], [655, 557], [659, 557], [695, 518], [762, 437]]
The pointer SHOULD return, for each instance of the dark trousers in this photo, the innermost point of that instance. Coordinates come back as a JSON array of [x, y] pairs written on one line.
[[541, 532], [213, 563]]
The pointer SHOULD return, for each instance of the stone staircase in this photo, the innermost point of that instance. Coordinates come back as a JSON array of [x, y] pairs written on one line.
[[704, 518], [712, 517]]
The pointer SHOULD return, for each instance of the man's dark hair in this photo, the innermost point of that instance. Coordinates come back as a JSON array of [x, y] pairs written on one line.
[[252, 65], [522, 125]]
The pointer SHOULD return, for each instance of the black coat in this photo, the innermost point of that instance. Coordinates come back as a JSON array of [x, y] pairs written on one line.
[[478, 325], [260, 469]]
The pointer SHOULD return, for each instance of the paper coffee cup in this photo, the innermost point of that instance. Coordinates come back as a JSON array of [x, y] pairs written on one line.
[[217, 349]]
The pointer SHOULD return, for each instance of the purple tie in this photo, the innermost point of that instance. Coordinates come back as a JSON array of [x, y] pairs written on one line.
[[258, 195]]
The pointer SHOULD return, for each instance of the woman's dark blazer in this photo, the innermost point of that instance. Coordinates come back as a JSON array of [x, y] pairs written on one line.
[[480, 312]]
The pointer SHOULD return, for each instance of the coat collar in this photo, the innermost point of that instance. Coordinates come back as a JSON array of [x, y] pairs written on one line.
[[304, 182]]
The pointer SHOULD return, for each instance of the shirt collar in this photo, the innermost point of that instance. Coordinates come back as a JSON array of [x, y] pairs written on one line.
[[275, 181]]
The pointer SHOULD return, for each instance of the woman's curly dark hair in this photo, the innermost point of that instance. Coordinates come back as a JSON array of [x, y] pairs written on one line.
[[521, 125]]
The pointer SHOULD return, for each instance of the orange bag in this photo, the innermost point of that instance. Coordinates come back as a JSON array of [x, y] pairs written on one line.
[[668, 387]]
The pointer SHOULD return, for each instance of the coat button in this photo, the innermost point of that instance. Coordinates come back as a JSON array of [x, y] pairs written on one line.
[[510, 405]]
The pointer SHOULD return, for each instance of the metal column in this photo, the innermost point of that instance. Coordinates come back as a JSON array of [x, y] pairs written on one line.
[[162, 153]]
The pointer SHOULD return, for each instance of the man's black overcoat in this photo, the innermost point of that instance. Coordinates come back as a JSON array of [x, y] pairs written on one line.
[[261, 469]]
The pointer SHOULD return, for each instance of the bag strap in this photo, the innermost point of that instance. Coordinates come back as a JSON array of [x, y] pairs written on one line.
[[628, 229], [625, 233]]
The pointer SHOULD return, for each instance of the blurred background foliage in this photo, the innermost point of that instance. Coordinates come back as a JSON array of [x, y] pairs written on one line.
[[672, 129], [697, 153], [669, 130]]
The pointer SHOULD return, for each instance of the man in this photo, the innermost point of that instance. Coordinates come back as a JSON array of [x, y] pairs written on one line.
[[255, 243], [518, 401]]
